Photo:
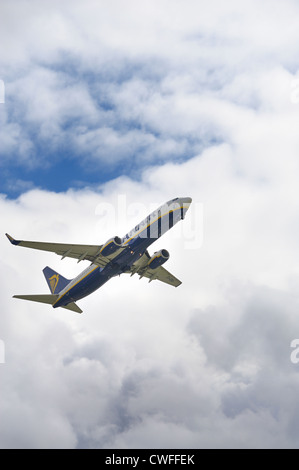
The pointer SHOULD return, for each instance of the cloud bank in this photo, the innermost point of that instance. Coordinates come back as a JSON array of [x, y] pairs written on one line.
[[205, 365], [161, 84], [109, 112]]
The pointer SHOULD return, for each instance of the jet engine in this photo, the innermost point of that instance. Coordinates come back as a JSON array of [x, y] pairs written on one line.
[[111, 246], [158, 258]]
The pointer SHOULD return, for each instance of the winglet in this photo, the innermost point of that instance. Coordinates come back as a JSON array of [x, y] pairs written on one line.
[[12, 240]]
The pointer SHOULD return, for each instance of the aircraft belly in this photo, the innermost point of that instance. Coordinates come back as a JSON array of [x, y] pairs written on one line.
[[89, 284]]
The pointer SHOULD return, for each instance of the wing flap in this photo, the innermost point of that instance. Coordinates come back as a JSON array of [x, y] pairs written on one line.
[[160, 273], [79, 252]]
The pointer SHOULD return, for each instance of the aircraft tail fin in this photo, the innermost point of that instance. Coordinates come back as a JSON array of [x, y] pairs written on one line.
[[49, 299], [55, 281]]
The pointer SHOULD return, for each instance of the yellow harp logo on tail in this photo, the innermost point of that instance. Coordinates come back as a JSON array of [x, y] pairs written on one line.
[[53, 282]]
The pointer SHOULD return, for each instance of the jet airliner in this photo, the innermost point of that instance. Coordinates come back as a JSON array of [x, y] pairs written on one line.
[[117, 256]]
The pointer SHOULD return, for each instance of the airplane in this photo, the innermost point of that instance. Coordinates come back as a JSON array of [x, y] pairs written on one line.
[[117, 256]]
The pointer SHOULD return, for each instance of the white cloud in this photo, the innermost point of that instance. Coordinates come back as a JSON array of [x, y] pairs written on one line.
[[159, 81], [204, 365]]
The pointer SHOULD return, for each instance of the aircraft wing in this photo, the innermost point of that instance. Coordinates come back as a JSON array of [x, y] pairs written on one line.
[[160, 273], [79, 252]]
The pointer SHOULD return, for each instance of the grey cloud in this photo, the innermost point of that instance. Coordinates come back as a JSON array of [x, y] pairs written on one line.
[[255, 331], [205, 365], [254, 350]]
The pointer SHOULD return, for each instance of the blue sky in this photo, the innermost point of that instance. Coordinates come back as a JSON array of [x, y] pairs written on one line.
[[109, 111], [93, 103], [64, 146]]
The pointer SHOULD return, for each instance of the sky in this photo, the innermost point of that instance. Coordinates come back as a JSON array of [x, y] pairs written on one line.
[[107, 110]]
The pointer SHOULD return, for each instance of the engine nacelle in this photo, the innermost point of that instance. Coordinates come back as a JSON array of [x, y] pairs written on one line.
[[111, 246], [158, 258]]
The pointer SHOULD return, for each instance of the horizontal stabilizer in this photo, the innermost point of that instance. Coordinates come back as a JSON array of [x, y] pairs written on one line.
[[72, 306], [48, 299], [44, 298]]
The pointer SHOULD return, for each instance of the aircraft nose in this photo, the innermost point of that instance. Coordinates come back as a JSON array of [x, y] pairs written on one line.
[[186, 200]]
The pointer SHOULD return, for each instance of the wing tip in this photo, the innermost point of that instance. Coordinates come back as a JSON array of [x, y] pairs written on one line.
[[12, 240]]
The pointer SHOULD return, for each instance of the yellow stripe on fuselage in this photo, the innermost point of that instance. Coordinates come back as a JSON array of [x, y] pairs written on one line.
[[59, 298]]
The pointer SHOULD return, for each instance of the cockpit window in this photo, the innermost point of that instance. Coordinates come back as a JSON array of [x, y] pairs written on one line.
[[172, 201]]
